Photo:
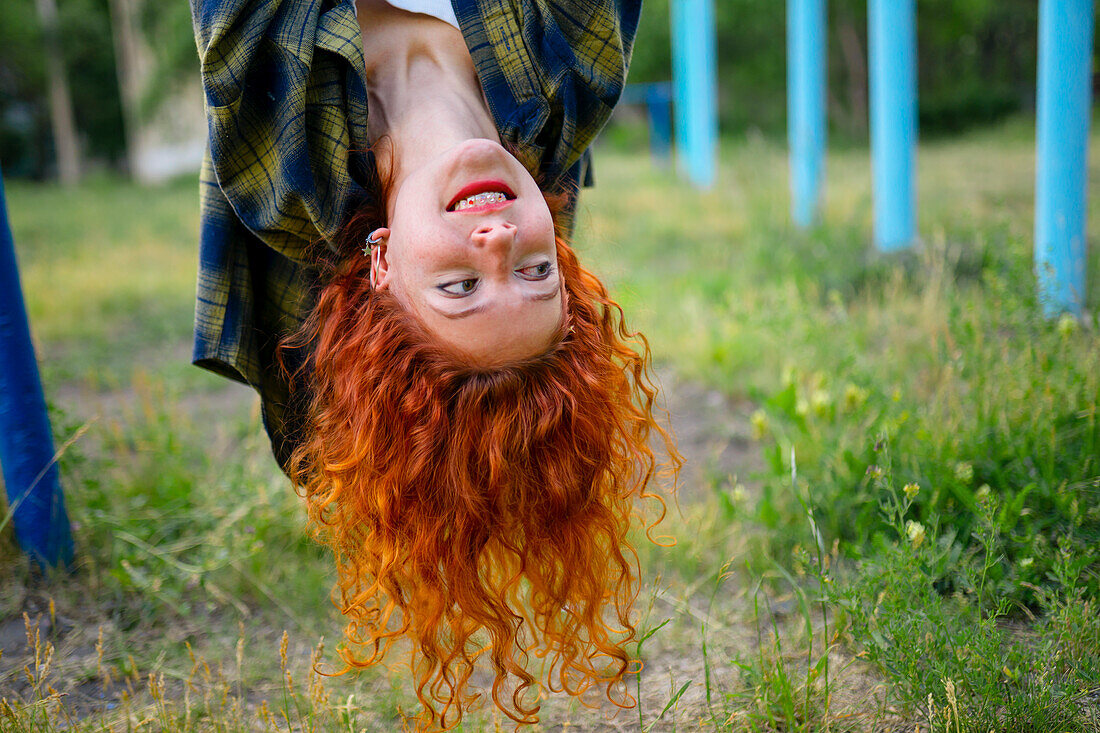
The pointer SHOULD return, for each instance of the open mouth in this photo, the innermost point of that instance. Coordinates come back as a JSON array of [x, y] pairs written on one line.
[[482, 196]]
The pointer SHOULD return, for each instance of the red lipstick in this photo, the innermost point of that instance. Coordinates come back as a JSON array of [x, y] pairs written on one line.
[[476, 187]]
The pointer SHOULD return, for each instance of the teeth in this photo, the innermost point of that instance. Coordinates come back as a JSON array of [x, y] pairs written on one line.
[[480, 199]]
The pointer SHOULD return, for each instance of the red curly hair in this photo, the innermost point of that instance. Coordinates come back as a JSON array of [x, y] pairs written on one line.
[[479, 512]]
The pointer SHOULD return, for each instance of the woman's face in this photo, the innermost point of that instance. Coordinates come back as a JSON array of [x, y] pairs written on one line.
[[470, 251]]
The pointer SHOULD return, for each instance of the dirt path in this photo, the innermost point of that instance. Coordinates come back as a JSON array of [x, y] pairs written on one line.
[[712, 433]]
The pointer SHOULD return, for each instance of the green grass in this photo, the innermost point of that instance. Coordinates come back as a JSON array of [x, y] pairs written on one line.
[[108, 274], [798, 598], [941, 351]]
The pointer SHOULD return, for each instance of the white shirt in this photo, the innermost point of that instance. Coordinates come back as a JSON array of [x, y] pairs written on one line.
[[436, 8]]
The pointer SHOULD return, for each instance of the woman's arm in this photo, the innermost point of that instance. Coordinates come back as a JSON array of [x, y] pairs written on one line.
[[552, 70], [285, 104]]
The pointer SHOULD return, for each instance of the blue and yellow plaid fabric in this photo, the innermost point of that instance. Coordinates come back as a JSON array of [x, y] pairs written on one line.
[[287, 114]]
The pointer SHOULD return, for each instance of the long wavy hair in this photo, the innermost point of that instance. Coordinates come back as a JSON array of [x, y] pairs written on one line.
[[479, 513]]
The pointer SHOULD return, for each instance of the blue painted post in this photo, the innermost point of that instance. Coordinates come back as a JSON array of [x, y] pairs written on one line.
[[35, 502], [658, 102], [893, 74], [806, 64], [695, 89], [1062, 135]]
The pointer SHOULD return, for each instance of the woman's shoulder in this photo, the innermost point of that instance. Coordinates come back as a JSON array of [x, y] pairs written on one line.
[[286, 107]]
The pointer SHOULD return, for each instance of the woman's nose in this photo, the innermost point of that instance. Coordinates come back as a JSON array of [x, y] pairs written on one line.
[[495, 235]]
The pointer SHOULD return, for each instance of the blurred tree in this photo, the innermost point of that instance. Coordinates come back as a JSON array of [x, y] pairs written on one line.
[[133, 70], [90, 58], [160, 92], [84, 33], [88, 43], [24, 138], [167, 26], [847, 98], [66, 145], [155, 51], [976, 62]]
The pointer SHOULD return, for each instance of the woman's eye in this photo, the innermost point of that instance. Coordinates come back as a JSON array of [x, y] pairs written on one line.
[[461, 287], [536, 272]]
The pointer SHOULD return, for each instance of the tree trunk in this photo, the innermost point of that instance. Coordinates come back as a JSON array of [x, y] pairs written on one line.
[[128, 62], [855, 72], [61, 107]]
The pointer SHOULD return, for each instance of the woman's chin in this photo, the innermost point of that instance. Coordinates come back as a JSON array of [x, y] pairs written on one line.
[[482, 155]]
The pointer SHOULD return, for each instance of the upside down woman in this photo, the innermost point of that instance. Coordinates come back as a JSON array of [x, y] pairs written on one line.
[[455, 396]]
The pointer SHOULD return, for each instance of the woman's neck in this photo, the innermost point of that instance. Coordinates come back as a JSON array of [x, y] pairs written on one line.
[[422, 88]]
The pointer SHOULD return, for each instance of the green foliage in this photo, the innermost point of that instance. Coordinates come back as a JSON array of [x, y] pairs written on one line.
[[977, 61], [976, 65], [84, 33], [24, 125], [988, 409], [998, 401], [954, 657], [168, 28], [87, 44], [652, 57], [784, 689], [751, 67], [155, 516], [942, 350]]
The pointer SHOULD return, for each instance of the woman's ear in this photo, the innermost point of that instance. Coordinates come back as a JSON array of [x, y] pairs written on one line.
[[379, 263]]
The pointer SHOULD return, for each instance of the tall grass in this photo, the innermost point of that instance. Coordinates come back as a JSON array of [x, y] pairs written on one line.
[[941, 350]]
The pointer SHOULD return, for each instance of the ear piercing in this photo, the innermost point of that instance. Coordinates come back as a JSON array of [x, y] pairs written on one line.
[[371, 241]]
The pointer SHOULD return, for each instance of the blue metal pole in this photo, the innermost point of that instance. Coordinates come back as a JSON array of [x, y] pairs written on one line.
[[893, 74], [806, 64], [695, 89], [35, 501], [658, 101], [681, 112], [1062, 134]]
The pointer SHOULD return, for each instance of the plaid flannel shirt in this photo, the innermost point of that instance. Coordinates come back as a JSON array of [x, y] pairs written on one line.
[[287, 113]]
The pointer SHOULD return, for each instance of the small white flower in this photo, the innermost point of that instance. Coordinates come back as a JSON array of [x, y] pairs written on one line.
[[915, 532]]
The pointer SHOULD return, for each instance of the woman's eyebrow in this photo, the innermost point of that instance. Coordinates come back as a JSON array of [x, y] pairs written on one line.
[[549, 295], [462, 313]]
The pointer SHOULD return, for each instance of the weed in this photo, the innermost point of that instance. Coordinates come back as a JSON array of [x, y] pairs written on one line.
[[924, 615]]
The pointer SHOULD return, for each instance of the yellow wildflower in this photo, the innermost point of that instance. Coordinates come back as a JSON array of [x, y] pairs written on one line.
[[854, 397], [759, 422], [1067, 325]]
